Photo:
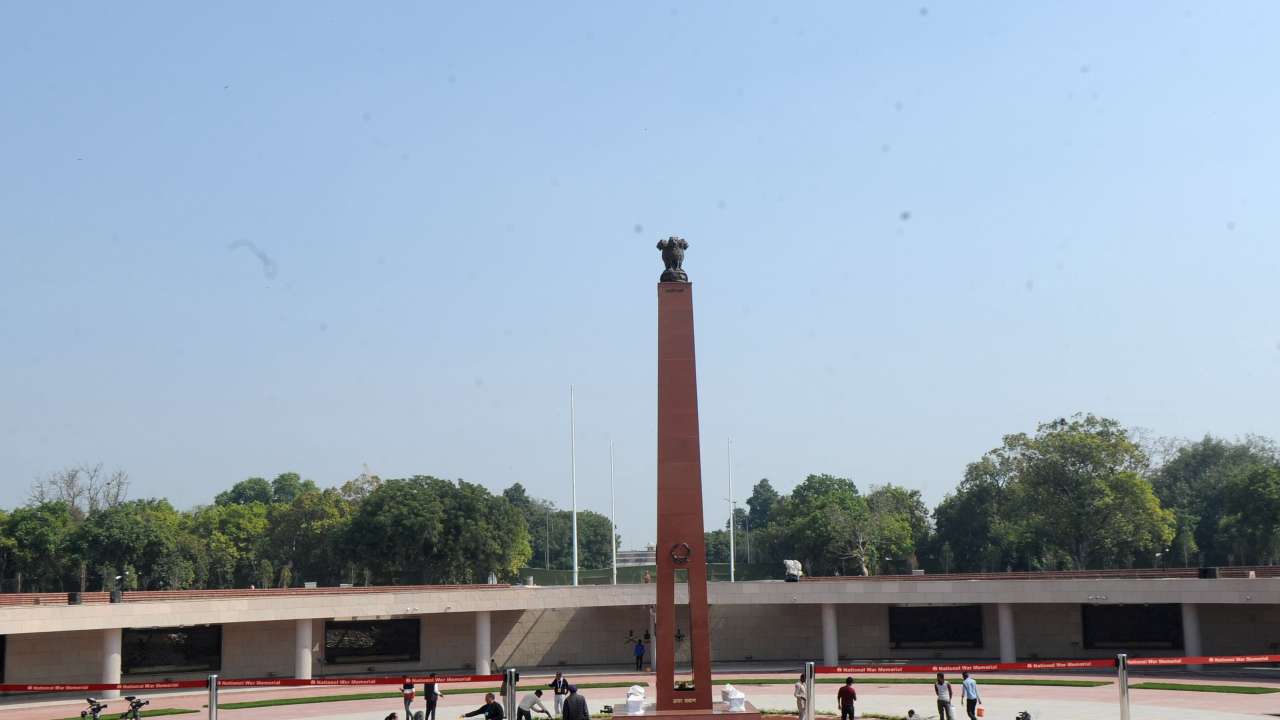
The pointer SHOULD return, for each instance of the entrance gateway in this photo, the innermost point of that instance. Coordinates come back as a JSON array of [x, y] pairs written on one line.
[[681, 548]]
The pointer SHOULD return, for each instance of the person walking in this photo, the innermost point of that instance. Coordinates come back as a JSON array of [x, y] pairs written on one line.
[[969, 689], [845, 698], [406, 692], [802, 698], [491, 710], [431, 693], [575, 706], [559, 690], [530, 702], [638, 652], [943, 690]]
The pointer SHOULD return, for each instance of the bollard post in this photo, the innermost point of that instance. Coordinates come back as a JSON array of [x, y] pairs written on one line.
[[213, 697], [1122, 678], [509, 680], [808, 691]]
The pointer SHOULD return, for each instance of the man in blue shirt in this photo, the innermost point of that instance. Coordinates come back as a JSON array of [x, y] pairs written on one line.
[[969, 688]]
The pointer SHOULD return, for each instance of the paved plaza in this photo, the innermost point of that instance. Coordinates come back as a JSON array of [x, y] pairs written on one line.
[[1002, 702]]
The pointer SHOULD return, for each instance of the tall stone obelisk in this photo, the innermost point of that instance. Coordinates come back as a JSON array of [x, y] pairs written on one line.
[[681, 545]]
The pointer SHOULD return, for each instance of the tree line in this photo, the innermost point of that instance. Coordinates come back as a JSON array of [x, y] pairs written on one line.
[[1079, 492]]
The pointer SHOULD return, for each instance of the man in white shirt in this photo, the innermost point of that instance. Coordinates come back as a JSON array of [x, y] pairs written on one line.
[[530, 702], [943, 690], [802, 698], [969, 689]]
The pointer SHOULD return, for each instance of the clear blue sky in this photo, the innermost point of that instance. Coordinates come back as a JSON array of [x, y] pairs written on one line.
[[914, 228]]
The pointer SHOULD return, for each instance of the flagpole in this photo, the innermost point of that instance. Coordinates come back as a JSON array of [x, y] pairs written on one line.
[[613, 517], [729, 451], [573, 478]]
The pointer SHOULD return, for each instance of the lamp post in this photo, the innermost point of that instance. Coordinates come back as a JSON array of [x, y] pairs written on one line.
[[573, 479], [613, 517], [732, 509]]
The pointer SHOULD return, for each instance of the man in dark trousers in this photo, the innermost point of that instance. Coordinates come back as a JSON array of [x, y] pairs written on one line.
[[638, 651], [845, 699], [431, 693], [942, 689], [575, 706], [490, 709], [560, 689]]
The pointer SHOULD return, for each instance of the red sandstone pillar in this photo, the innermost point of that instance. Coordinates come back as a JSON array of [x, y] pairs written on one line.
[[681, 545]]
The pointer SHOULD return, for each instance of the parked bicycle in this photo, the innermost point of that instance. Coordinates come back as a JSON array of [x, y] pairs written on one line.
[[95, 709], [135, 704]]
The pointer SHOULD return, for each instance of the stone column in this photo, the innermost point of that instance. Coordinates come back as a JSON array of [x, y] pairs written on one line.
[[681, 540], [302, 649], [830, 636], [1004, 622], [484, 645], [1191, 633], [110, 660]]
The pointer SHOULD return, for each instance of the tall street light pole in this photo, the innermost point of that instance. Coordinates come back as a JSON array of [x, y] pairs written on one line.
[[573, 479], [613, 517], [732, 512]]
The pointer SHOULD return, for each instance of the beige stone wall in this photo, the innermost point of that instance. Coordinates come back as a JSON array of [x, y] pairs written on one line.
[[1047, 631], [258, 649], [580, 636], [49, 657], [597, 636], [1236, 629], [765, 632]]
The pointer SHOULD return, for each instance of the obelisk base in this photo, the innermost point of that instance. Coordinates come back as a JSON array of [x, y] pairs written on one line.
[[718, 711]]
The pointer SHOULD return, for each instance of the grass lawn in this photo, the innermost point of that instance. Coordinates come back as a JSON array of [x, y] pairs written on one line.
[[150, 713], [309, 699], [1194, 687], [894, 680]]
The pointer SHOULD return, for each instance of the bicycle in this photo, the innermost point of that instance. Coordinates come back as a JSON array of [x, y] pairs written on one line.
[[95, 709], [135, 704]]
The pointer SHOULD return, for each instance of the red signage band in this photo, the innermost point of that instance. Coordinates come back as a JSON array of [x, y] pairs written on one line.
[[353, 681], [246, 682], [964, 667], [1203, 660]]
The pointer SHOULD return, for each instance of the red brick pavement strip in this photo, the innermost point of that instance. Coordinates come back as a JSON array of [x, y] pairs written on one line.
[[458, 697]]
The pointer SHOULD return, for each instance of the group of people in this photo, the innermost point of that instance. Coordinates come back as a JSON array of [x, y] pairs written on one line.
[[846, 696], [569, 703]]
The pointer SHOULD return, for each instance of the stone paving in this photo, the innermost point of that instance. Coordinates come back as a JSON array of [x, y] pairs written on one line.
[[1002, 702]]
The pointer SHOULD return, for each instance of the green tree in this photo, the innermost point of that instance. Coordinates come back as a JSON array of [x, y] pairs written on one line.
[[972, 523], [397, 529], [1192, 484], [895, 507], [1250, 523], [760, 504], [550, 533], [488, 534], [7, 547], [1079, 494], [40, 535], [235, 536], [138, 534], [253, 490], [717, 542], [308, 532], [816, 524], [288, 486]]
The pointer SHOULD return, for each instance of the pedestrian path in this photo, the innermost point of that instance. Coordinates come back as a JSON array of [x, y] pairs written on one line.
[[1002, 702]]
